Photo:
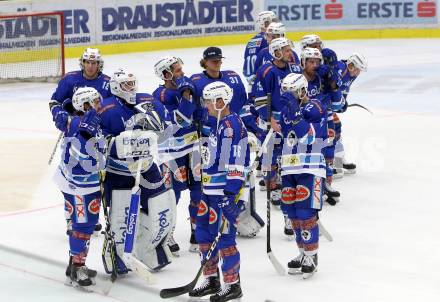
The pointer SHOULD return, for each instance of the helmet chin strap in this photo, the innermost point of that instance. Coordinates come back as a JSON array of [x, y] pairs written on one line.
[[219, 112]]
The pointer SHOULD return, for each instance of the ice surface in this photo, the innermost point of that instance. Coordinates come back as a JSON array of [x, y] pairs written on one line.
[[386, 227]]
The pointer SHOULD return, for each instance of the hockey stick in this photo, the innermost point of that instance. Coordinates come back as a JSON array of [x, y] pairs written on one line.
[[276, 264], [135, 264], [60, 136], [181, 290], [109, 241], [360, 106], [324, 232]]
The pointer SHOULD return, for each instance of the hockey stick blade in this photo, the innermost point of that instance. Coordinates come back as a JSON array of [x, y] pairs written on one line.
[[276, 264], [181, 290], [360, 106], [141, 271]]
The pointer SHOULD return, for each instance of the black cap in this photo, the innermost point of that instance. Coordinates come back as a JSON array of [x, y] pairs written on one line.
[[212, 53]]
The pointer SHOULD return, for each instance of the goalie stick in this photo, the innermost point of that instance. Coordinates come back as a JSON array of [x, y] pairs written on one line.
[[181, 290], [276, 264], [135, 264]]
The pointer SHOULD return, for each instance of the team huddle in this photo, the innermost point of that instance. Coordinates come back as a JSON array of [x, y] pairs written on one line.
[[135, 153]]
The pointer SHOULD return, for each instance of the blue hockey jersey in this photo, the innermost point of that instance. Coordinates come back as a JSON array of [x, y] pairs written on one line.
[[226, 158], [253, 47], [74, 80], [304, 138]]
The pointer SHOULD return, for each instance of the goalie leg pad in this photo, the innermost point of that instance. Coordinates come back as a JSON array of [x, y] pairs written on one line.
[[120, 204], [249, 222], [154, 228]]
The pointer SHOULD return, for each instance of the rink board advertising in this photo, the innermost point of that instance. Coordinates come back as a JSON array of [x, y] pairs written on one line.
[[101, 22]]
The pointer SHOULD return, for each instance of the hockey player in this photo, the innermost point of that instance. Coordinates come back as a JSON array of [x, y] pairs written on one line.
[[257, 43], [303, 168], [311, 60], [77, 177], [90, 75], [180, 146], [133, 121], [274, 30], [349, 70], [192, 93], [225, 163], [269, 77]]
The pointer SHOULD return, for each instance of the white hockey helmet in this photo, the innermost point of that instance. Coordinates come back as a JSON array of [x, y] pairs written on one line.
[[164, 64], [276, 28], [85, 95], [124, 85], [217, 90], [91, 54], [265, 18], [310, 53], [358, 61], [295, 83], [278, 44], [308, 40]]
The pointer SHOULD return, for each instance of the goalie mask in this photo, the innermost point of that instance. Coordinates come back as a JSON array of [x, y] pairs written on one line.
[[85, 95], [165, 65], [92, 54], [124, 85]]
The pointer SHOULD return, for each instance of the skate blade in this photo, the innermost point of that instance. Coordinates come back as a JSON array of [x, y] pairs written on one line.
[[87, 289], [294, 271], [193, 248], [351, 172], [309, 275], [175, 254], [338, 176]]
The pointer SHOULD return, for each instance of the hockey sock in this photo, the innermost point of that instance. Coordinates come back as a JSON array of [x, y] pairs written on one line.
[[297, 228], [230, 264], [79, 246], [310, 235], [212, 264]]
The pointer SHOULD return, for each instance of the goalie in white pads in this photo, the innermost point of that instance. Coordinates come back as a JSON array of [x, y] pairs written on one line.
[[134, 121]]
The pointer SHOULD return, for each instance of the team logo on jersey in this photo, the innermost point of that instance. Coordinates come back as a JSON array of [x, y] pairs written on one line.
[[203, 208], [291, 139], [254, 43], [80, 210], [94, 206], [302, 193], [212, 216], [288, 195], [68, 209], [306, 235]]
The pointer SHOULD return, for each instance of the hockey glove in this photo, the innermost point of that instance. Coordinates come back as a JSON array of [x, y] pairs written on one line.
[[230, 208], [183, 84], [89, 125], [323, 71], [68, 106], [59, 116]]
